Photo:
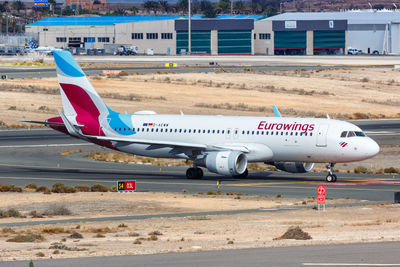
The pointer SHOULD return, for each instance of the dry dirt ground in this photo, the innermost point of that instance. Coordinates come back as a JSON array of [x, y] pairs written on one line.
[[336, 225], [339, 92]]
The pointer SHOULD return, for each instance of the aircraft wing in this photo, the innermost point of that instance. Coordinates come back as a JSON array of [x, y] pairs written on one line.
[[205, 147], [150, 142]]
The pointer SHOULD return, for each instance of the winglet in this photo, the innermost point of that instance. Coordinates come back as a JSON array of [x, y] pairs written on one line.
[[276, 111]]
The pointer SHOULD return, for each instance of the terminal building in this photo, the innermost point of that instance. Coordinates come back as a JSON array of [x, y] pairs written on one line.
[[166, 35], [372, 32]]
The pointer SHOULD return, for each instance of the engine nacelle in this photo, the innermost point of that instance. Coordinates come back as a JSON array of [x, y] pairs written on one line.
[[226, 162], [294, 167]]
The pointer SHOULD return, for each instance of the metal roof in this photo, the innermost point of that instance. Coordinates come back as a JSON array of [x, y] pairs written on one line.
[[111, 20], [353, 17]]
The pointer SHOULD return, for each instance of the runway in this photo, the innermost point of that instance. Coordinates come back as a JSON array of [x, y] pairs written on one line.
[[366, 254], [34, 156]]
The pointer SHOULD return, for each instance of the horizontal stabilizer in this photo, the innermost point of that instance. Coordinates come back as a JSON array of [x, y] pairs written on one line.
[[44, 123]]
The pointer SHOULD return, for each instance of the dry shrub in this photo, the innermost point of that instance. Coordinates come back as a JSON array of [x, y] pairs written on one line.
[[53, 230], [360, 169], [122, 225], [153, 238], [98, 235], [294, 233], [137, 242], [155, 233], [61, 188], [391, 170], [31, 186], [26, 238], [43, 189], [56, 210], [35, 214], [133, 234], [10, 213], [68, 152], [76, 235], [82, 188], [100, 230], [7, 230], [10, 188], [99, 188]]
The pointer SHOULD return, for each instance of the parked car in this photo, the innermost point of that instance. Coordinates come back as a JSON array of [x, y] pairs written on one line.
[[127, 50], [353, 51]]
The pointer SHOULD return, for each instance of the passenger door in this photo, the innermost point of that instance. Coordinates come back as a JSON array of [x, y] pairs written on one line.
[[322, 135]]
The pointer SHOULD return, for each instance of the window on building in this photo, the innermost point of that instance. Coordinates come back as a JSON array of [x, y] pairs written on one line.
[[103, 39], [255, 36], [74, 39], [151, 35], [45, 29], [89, 39], [61, 39], [264, 36], [137, 35], [167, 35]]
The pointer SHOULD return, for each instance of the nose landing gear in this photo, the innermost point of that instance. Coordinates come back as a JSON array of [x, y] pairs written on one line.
[[331, 177]]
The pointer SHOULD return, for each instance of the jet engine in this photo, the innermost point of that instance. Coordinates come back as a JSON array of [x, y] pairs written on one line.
[[226, 162], [294, 167]]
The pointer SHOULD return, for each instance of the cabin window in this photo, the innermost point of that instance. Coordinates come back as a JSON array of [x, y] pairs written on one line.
[[217, 131], [310, 134], [223, 131], [257, 132], [344, 134], [184, 131], [180, 130]]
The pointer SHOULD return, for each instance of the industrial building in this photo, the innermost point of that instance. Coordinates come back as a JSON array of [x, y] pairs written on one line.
[[160, 34], [284, 34], [331, 32]]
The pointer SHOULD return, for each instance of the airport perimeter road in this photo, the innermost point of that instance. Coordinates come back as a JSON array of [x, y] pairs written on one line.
[[44, 72], [34, 156], [367, 254], [359, 60]]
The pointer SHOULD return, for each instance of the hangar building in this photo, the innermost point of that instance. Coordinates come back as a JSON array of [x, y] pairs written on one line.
[[330, 33], [163, 34]]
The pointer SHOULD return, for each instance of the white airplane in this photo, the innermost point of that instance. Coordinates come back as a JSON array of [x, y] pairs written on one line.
[[48, 50], [222, 144]]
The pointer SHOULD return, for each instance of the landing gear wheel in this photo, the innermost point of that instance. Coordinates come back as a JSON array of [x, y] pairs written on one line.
[[191, 173], [199, 173], [331, 178], [243, 175], [194, 173]]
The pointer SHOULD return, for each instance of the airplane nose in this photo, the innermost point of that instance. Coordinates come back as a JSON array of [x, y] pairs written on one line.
[[372, 149]]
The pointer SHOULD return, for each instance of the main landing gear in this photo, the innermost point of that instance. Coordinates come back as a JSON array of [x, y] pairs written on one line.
[[194, 173], [331, 177]]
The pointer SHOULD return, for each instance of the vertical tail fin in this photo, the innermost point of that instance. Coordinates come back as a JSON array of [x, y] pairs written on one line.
[[81, 103]]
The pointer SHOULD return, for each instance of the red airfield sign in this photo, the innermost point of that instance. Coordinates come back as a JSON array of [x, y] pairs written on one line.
[[321, 194]]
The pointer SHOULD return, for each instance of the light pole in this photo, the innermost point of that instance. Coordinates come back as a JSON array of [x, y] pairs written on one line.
[[189, 30]]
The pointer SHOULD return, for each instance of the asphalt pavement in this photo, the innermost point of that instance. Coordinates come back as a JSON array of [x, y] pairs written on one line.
[[365, 254]]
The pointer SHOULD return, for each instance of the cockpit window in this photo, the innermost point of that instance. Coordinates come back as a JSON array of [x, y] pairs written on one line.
[[351, 134], [344, 134], [360, 134]]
